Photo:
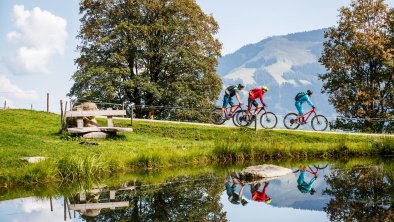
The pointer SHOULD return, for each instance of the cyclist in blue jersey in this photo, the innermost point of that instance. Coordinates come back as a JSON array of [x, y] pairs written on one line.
[[230, 92], [303, 186], [300, 99]]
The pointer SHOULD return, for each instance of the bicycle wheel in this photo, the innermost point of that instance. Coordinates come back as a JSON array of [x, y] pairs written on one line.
[[319, 123], [290, 121], [320, 166], [268, 120], [215, 116], [236, 116], [240, 118]]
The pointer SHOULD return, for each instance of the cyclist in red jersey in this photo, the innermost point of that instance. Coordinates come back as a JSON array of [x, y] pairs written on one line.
[[260, 196], [253, 95]]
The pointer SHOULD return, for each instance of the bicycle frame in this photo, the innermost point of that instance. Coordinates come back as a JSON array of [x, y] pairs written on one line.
[[314, 172], [318, 122], [252, 110], [309, 114], [227, 110]]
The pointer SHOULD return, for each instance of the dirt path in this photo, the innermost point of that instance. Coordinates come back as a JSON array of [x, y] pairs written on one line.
[[307, 131]]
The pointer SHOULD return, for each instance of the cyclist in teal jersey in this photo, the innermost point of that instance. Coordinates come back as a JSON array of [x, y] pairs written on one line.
[[301, 98], [303, 186]]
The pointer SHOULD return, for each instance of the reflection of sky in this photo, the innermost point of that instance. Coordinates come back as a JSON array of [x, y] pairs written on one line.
[[257, 211], [33, 210]]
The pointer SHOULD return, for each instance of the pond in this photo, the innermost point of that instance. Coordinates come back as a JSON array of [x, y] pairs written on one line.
[[351, 190]]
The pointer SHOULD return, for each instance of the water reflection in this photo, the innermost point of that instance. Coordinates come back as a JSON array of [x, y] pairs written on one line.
[[260, 195], [350, 194], [196, 199], [235, 189], [360, 194], [307, 187]]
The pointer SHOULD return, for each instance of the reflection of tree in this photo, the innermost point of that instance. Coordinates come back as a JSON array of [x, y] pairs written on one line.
[[360, 194], [186, 201]]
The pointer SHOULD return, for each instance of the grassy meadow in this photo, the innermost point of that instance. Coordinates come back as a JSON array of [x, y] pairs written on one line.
[[25, 133]]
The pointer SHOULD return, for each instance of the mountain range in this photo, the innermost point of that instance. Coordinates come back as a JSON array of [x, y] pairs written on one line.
[[286, 64]]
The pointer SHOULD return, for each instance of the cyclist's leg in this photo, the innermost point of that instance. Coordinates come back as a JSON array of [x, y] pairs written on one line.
[[225, 103], [255, 104], [250, 101], [301, 178], [230, 101], [299, 109]]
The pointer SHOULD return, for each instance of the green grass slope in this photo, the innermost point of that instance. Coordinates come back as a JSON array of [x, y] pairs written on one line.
[[25, 133]]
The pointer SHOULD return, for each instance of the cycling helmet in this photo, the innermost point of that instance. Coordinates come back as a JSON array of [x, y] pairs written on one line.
[[241, 86], [309, 92], [265, 88], [313, 191]]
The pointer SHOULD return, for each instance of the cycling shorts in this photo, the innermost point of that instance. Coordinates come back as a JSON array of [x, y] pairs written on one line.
[[227, 100], [252, 102]]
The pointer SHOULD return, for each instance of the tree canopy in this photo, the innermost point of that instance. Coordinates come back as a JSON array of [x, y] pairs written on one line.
[[358, 56], [149, 52]]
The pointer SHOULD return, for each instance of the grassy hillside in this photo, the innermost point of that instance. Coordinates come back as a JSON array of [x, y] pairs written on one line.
[[26, 133]]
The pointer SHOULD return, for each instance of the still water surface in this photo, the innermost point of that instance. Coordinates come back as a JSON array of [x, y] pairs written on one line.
[[315, 192]]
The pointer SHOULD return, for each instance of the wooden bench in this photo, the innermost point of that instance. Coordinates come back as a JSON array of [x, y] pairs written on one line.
[[109, 113]]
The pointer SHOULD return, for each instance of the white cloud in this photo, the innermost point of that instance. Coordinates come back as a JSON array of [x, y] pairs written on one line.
[[13, 36], [14, 94], [34, 210], [41, 36], [305, 82]]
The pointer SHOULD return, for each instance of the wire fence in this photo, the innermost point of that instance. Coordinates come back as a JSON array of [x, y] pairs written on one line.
[[202, 115]]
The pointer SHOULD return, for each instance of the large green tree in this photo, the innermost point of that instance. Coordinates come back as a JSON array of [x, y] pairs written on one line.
[[150, 52], [357, 55]]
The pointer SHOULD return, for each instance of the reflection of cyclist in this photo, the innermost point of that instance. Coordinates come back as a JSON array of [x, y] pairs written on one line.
[[300, 98], [231, 189], [260, 196], [303, 186], [253, 95], [230, 92]]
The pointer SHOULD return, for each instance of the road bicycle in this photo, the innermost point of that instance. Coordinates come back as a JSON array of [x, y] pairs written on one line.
[[216, 116], [318, 122], [268, 120]]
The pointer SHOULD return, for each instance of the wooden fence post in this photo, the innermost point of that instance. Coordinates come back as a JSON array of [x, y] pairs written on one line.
[[64, 116], [132, 114], [123, 108], [65, 209], [61, 114], [47, 102], [50, 201]]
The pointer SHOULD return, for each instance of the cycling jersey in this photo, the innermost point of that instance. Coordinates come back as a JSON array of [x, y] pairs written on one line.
[[256, 93], [305, 98], [303, 186], [260, 195], [299, 103], [231, 91]]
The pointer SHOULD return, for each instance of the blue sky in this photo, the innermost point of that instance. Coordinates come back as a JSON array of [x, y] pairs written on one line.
[[38, 44]]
